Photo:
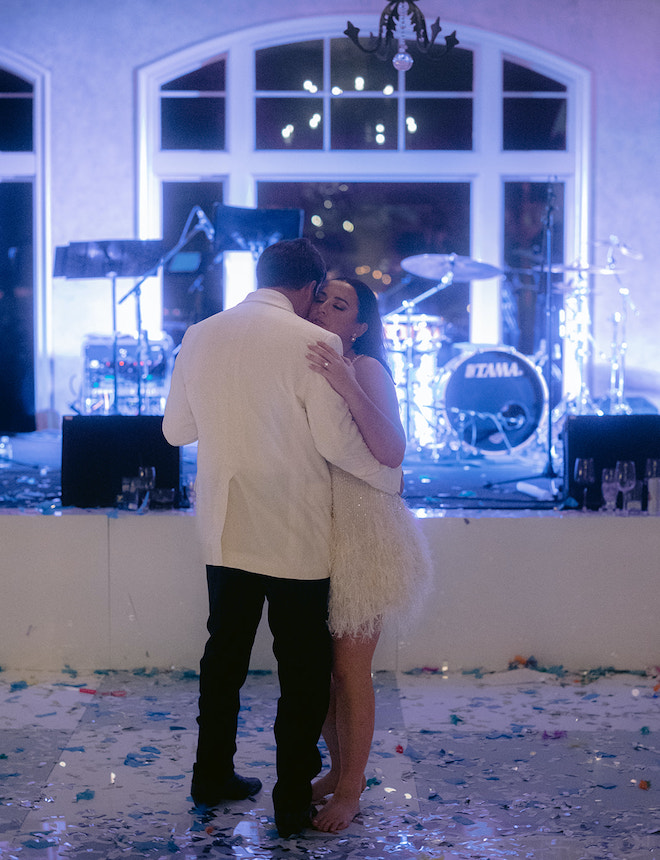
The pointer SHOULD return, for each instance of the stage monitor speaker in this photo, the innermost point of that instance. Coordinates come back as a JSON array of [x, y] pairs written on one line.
[[608, 438], [99, 450]]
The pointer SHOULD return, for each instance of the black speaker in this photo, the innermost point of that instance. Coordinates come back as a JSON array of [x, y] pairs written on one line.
[[608, 438], [99, 450]]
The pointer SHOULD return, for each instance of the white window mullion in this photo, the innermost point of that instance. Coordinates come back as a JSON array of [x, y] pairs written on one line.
[[240, 137], [486, 203]]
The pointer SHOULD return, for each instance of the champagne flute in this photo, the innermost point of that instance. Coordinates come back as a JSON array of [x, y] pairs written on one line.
[[609, 488], [584, 474], [626, 479]]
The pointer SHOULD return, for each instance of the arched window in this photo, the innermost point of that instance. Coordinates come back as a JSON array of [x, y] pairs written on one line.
[[24, 273], [459, 156]]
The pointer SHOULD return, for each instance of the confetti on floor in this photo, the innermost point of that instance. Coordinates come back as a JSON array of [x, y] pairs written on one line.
[[517, 764]]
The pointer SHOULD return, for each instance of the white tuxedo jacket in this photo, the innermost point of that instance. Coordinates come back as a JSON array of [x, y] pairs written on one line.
[[266, 425]]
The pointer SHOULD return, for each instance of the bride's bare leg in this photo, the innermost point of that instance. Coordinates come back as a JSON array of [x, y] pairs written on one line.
[[354, 723]]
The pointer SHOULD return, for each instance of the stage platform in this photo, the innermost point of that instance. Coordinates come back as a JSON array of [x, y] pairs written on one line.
[[451, 480], [107, 589]]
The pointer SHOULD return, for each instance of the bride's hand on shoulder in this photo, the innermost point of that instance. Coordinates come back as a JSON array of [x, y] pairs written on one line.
[[335, 368]]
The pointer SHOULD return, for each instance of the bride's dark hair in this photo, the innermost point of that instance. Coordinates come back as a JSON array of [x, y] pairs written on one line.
[[372, 341]]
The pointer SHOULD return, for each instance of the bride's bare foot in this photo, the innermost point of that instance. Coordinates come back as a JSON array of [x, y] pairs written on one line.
[[324, 786], [327, 784], [337, 814]]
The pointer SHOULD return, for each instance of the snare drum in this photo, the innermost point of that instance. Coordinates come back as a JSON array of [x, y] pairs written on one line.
[[494, 398]]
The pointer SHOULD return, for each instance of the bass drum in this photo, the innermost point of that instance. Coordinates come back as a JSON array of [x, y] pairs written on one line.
[[493, 397]]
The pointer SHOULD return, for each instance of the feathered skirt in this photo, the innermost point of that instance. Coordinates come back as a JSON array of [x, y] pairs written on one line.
[[380, 564]]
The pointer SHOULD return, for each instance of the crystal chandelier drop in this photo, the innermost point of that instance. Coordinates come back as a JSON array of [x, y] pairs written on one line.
[[395, 24]]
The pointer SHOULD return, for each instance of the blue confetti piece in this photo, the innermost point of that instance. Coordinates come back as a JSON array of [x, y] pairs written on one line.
[[138, 760], [478, 673], [462, 819], [49, 714], [607, 785], [39, 843], [158, 715], [177, 776], [177, 728], [412, 754], [88, 794], [156, 845], [72, 749], [18, 685]]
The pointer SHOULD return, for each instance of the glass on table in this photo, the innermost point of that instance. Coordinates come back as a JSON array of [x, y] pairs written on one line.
[[609, 488], [626, 478], [652, 481], [584, 475], [652, 469]]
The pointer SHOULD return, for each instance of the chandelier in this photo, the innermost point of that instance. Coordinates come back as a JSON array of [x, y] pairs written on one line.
[[392, 30]]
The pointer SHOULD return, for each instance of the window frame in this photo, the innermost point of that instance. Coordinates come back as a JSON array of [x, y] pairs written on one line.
[[487, 167], [34, 167]]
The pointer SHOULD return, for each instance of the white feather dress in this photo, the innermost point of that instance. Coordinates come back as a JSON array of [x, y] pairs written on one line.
[[380, 564]]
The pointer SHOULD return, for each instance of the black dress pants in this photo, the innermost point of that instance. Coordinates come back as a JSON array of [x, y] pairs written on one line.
[[297, 616]]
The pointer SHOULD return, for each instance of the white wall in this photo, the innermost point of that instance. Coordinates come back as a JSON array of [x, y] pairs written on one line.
[[92, 591], [90, 50]]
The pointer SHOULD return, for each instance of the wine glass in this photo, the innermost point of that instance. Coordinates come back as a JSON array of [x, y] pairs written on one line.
[[609, 488], [652, 468], [652, 481], [626, 479], [584, 473]]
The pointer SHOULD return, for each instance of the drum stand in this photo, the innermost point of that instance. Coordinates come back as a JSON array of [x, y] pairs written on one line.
[[582, 403], [408, 308], [549, 470], [618, 405]]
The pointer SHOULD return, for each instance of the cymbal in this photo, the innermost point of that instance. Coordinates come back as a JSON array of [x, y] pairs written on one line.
[[436, 266], [577, 269]]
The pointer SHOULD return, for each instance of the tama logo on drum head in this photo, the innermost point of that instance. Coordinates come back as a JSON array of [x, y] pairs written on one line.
[[493, 370]]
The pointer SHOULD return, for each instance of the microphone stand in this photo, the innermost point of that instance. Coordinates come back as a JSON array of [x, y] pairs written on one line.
[[186, 235], [549, 469]]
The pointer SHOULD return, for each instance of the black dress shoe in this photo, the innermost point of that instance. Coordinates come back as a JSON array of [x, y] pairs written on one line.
[[290, 822], [235, 788]]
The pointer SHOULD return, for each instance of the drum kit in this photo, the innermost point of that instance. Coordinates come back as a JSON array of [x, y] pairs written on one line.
[[485, 398]]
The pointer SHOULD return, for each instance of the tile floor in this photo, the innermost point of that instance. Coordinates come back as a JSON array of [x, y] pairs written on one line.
[[523, 763]]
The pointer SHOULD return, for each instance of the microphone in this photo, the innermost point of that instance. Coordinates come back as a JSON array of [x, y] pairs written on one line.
[[205, 224]]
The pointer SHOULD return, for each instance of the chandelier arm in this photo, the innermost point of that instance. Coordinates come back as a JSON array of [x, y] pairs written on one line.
[[382, 45]]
